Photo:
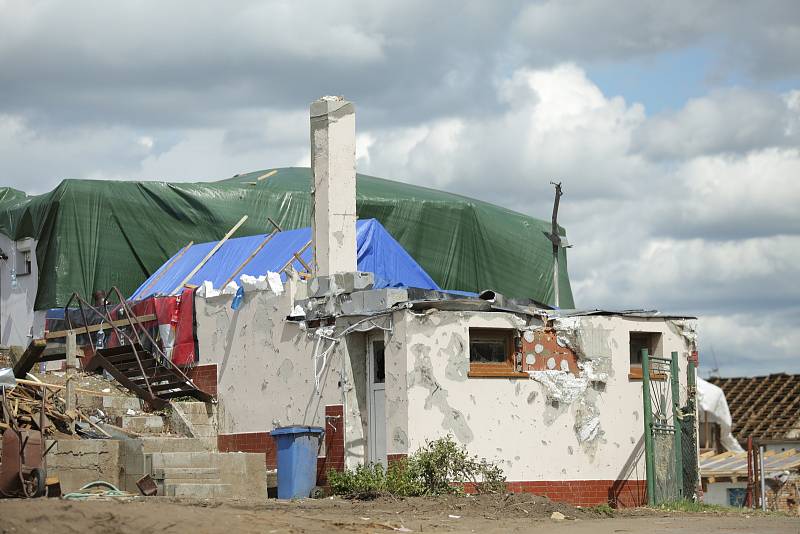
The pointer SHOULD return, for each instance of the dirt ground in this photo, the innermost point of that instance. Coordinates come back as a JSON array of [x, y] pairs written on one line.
[[484, 514]]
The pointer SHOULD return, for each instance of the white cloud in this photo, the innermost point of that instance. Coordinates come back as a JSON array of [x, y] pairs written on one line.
[[729, 121], [692, 210], [705, 233]]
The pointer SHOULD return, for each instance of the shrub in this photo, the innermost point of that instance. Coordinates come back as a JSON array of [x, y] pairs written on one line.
[[439, 467]]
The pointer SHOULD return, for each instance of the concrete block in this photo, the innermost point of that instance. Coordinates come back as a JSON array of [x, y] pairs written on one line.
[[198, 491], [142, 424], [169, 444], [185, 473], [77, 462], [190, 408], [185, 459], [336, 284], [370, 301], [120, 405], [246, 474]]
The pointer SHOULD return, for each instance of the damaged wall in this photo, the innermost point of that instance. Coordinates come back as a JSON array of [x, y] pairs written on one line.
[[552, 425], [80, 461], [17, 298], [266, 367]]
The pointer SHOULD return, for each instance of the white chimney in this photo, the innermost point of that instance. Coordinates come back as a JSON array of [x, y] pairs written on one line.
[[333, 167]]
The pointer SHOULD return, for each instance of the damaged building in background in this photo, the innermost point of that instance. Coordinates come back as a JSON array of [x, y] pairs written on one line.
[[345, 326]]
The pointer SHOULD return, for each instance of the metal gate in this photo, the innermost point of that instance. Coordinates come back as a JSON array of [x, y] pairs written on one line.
[[663, 430], [689, 455]]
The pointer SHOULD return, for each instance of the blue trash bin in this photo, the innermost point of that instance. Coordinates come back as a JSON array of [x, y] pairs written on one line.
[[297, 459]]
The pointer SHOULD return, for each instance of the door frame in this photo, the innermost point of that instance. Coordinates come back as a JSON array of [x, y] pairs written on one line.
[[372, 429]]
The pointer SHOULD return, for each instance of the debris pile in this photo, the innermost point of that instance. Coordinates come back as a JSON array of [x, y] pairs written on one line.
[[23, 404]]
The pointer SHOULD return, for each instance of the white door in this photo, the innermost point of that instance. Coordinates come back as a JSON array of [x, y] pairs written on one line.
[[376, 400]]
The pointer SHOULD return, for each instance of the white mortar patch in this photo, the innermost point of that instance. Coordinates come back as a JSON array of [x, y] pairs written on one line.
[[528, 335]]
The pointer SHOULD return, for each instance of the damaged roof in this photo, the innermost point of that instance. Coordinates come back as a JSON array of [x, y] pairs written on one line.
[[94, 234], [763, 407], [377, 252], [734, 464]]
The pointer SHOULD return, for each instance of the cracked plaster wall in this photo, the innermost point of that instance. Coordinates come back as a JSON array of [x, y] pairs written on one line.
[[266, 368], [593, 432], [16, 303]]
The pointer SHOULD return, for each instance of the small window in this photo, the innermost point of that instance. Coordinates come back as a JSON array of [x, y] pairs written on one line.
[[379, 367], [23, 262], [491, 352], [736, 497], [642, 340]]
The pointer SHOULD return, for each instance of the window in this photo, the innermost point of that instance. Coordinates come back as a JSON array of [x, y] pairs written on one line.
[[491, 353], [379, 365], [23, 262], [642, 340], [736, 497]]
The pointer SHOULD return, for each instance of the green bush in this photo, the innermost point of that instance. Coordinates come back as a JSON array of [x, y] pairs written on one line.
[[437, 468]]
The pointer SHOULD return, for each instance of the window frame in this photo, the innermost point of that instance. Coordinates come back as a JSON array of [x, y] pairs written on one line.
[[505, 369], [656, 339]]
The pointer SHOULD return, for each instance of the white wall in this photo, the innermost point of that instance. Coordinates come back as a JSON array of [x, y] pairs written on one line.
[[717, 492], [511, 419], [266, 368], [16, 303], [266, 379]]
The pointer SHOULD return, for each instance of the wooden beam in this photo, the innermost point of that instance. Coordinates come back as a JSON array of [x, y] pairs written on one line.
[[102, 326], [166, 268], [29, 358], [70, 399], [266, 175], [295, 256], [210, 253], [249, 259], [57, 386]]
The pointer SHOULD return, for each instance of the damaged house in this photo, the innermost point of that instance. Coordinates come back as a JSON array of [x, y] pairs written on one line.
[[384, 363], [353, 325], [760, 434]]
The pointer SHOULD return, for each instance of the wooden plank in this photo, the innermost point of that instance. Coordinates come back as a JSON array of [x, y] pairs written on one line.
[[57, 386], [249, 258], [294, 257], [29, 358], [172, 262], [209, 255], [102, 326], [70, 399], [266, 175]]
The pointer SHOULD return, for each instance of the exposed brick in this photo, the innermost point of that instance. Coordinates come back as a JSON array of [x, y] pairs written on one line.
[[204, 377], [249, 442], [334, 442], [618, 493], [392, 458]]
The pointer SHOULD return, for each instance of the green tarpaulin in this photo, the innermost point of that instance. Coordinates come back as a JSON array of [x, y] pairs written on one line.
[[93, 234]]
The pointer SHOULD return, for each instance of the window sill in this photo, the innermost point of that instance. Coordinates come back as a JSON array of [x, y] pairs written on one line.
[[636, 374], [497, 374]]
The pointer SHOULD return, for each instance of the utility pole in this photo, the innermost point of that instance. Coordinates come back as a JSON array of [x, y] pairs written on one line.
[[557, 241]]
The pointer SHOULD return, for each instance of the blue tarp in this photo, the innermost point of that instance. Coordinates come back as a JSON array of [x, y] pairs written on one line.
[[378, 253]]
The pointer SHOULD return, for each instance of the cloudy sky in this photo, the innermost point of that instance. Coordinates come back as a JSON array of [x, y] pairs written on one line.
[[675, 126]]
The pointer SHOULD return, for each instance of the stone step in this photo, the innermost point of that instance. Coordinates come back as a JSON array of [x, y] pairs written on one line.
[[200, 418], [204, 431], [142, 424], [198, 491], [185, 459], [118, 405], [185, 474], [196, 408], [160, 444]]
